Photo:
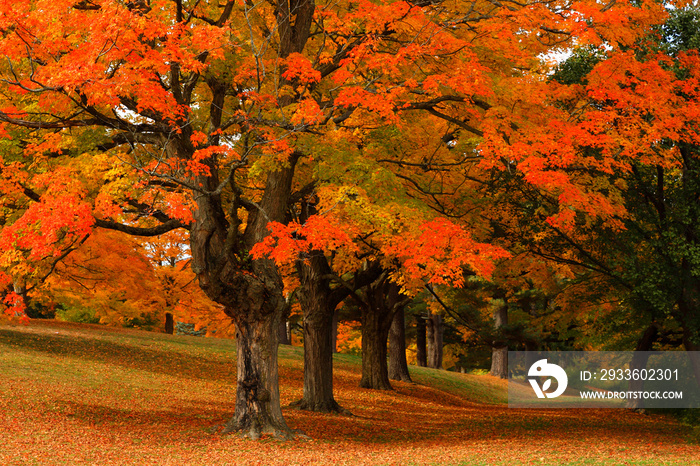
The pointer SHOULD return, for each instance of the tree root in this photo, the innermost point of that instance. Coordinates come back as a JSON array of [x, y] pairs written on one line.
[[328, 407], [254, 431]]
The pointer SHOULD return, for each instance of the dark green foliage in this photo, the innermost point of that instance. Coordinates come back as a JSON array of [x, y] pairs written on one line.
[[183, 328], [77, 314], [682, 31], [575, 69]]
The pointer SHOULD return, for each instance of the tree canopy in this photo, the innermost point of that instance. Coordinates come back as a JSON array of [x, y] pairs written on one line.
[[426, 141]]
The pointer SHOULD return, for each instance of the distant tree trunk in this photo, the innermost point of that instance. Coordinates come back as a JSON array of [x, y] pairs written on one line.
[[421, 358], [169, 323], [499, 350], [398, 366], [434, 332], [284, 333], [318, 301], [639, 361], [689, 308], [19, 286], [375, 332]]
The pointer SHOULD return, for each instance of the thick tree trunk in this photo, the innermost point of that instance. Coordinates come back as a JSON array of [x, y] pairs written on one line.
[[421, 351], [499, 350], [398, 366], [258, 410], [434, 332], [639, 361], [375, 331], [499, 362], [382, 301], [334, 332], [251, 292], [318, 301]]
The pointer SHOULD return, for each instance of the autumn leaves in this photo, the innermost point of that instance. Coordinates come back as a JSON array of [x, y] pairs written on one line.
[[374, 137]]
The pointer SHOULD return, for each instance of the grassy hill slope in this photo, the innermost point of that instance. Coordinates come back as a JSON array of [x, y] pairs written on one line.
[[82, 394]]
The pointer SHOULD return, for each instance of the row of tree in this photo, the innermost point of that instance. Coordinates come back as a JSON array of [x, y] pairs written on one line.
[[362, 152]]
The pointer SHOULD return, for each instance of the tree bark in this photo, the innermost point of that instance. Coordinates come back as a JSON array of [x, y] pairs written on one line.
[[421, 350], [334, 332], [258, 409], [434, 332], [382, 300], [499, 349], [375, 331], [283, 333], [398, 366], [639, 361], [318, 301], [169, 323]]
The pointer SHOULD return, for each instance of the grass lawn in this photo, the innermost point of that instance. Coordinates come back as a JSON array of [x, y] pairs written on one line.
[[83, 394]]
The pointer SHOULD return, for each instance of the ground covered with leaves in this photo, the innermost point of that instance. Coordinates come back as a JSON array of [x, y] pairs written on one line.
[[79, 394]]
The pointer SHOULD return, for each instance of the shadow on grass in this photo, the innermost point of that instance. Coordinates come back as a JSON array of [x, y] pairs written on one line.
[[158, 361]]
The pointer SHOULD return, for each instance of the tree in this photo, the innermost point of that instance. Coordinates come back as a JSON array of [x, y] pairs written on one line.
[[319, 300], [206, 116], [618, 200], [383, 253], [398, 366]]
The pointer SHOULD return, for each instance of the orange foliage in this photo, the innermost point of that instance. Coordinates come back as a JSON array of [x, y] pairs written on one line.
[[419, 250]]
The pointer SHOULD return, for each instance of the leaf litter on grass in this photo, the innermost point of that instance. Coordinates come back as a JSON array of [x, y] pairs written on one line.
[[100, 396]]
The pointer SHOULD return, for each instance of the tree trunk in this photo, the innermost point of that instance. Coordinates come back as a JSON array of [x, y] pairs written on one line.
[[499, 362], [169, 323], [283, 333], [375, 332], [318, 366], [430, 339], [251, 292], [434, 332], [398, 366], [499, 350], [334, 332], [421, 358], [639, 361], [258, 410], [19, 286], [382, 301], [318, 301]]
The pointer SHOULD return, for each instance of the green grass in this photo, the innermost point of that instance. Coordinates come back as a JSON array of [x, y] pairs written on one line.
[[86, 394]]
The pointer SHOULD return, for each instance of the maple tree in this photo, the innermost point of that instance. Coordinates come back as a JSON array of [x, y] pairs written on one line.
[[381, 254], [614, 201], [218, 118], [657, 276]]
